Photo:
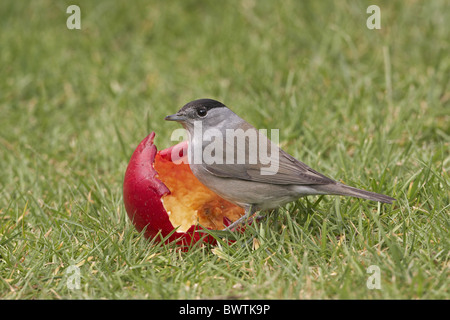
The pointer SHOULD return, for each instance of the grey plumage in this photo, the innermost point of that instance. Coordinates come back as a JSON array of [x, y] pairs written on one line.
[[243, 183]]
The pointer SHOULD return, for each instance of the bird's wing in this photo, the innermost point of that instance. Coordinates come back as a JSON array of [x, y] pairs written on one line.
[[288, 170]]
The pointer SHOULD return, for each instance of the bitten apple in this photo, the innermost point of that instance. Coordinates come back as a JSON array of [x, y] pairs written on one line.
[[161, 194]]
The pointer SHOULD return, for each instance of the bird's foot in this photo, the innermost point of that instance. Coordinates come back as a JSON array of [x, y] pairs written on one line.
[[236, 224], [246, 218]]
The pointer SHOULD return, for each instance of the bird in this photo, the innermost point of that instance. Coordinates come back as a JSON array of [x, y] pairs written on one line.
[[223, 155]]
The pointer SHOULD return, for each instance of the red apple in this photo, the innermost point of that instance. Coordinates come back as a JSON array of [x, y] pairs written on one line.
[[161, 195]]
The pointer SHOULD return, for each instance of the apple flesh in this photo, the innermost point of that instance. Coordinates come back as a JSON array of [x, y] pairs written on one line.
[[161, 194]]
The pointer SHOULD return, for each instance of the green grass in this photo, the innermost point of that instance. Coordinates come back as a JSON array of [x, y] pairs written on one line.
[[367, 107]]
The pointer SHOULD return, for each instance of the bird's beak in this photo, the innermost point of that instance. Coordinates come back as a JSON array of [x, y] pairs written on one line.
[[175, 117]]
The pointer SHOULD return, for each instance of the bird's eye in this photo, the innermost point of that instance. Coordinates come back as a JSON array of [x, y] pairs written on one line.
[[202, 112]]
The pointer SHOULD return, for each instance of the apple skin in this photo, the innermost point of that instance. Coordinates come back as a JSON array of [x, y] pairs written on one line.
[[142, 193]]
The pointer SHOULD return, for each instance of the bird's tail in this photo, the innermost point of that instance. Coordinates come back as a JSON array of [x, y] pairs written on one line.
[[343, 190]]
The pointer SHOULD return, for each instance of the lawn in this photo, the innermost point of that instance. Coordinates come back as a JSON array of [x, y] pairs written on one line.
[[368, 107]]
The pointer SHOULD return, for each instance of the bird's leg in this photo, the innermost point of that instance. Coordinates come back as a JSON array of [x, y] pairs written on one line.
[[262, 215], [248, 212]]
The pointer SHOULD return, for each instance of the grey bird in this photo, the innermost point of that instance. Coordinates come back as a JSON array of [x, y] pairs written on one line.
[[244, 182]]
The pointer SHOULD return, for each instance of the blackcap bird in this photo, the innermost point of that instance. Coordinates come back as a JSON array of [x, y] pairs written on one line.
[[240, 164]]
